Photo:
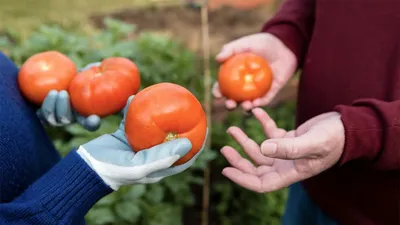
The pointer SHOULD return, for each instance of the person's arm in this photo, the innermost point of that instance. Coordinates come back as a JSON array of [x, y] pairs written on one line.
[[62, 196], [293, 24], [372, 133]]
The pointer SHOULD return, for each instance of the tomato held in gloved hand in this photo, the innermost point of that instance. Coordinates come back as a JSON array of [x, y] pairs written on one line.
[[103, 89], [244, 77], [164, 112], [44, 72]]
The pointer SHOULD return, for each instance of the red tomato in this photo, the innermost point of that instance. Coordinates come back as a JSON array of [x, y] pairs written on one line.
[[164, 112], [103, 90], [245, 76], [43, 72]]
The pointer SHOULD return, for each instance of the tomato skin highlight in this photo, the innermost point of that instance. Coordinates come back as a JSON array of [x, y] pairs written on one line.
[[245, 77], [43, 72], [104, 90], [163, 112]]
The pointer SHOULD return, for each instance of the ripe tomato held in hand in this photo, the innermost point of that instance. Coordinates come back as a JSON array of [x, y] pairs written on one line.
[[43, 72], [244, 76], [103, 90], [164, 112]]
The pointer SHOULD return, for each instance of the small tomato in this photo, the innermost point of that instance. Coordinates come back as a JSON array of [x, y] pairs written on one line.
[[164, 112], [43, 72], [103, 90], [244, 76]]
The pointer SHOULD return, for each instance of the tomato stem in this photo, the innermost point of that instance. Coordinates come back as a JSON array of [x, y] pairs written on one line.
[[170, 136]]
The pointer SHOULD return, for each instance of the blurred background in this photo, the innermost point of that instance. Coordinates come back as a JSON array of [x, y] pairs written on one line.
[[164, 39]]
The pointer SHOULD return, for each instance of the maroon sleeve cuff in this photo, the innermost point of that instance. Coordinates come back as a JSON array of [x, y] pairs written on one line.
[[290, 36], [363, 133]]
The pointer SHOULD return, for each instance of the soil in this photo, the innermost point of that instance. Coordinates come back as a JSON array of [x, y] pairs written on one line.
[[183, 23]]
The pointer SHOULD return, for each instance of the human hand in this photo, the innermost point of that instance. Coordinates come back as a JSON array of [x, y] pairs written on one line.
[[56, 110], [111, 157], [282, 61], [289, 156]]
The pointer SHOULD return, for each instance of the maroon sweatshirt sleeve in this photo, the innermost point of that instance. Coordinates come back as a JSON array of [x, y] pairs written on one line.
[[293, 25], [372, 133]]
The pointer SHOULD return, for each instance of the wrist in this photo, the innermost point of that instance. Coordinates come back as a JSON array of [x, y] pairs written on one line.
[[99, 168]]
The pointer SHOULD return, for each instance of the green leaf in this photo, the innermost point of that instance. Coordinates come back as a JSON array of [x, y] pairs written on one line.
[[128, 211], [136, 192], [100, 215], [155, 193]]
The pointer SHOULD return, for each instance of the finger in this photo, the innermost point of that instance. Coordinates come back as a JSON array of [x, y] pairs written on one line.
[[290, 134], [247, 105], [90, 65], [232, 48], [270, 128], [249, 146], [152, 160], [225, 53], [128, 102], [215, 91], [293, 147], [245, 180], [180, 146], [237, 161], [39, 114], [230, 104], [63, 108], [175, 169], [268, 97], [90, 123], [49, 106], [180, 168]]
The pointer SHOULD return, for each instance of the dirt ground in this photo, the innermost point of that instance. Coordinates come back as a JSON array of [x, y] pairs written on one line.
[[183, 23]]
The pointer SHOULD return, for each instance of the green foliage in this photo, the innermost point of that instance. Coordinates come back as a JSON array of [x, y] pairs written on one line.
[[159, 59]]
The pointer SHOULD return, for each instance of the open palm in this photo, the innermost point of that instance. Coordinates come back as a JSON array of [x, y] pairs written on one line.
[[282, 61], [310, 151]]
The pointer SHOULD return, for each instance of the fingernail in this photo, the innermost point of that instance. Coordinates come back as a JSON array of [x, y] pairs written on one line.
[[229, 130], [268, 148]]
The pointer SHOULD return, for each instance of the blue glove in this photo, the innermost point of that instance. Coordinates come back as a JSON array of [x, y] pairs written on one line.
[[111, 157], [56, 110]]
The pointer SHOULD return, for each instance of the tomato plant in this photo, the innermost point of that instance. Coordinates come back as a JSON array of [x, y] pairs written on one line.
[[103, 90], [164, 112], [245, 76], [43, 72]]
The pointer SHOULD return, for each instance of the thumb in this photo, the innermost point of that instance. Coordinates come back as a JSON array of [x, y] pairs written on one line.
[[224, 54], [178, 147], [290, 148], [160, 157], [90, 123]]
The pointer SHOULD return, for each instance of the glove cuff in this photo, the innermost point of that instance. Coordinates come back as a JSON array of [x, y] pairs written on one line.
[[98, 168]]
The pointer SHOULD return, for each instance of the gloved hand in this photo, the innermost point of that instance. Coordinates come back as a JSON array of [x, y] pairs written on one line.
[[56, 110], [111, 157]]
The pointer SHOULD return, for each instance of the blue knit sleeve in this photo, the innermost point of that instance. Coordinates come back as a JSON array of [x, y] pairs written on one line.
[[61, 196]]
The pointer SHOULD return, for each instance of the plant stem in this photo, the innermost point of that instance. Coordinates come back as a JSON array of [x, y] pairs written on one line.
[[207, 103]]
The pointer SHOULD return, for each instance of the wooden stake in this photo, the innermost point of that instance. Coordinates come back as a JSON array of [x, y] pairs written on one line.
[[207, 103]]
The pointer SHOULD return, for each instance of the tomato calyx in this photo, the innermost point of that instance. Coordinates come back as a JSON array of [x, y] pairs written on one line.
[[171, 136]]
